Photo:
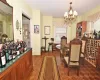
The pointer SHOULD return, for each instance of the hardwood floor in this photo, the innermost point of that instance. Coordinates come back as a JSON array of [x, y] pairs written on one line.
[[87, 71]]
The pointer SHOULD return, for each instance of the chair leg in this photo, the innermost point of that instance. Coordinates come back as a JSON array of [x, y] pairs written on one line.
[[52, 47], [83, 60], [78, 71], [68, 71], [48, 47]]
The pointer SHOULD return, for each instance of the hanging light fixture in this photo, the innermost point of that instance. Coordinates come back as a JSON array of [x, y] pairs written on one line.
[[71, 15]]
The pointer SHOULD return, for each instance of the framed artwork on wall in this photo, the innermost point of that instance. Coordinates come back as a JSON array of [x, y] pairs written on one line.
[[36, 29], [47, 30]]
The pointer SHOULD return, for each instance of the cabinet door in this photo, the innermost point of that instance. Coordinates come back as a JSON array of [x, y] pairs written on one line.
[[19, 72], [28, 62], [84, 25], [6, 77], [13, 74]]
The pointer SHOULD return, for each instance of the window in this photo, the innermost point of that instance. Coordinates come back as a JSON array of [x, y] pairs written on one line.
[[97, 25], [59, 32]]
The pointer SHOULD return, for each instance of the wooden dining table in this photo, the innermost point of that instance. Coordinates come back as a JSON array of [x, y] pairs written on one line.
[[63, 51], [66, 46]]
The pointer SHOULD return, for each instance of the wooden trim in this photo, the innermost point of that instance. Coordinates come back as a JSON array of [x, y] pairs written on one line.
[[25, 16], [5, 2]]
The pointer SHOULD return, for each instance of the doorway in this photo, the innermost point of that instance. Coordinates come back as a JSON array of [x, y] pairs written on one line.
[[26, 30]]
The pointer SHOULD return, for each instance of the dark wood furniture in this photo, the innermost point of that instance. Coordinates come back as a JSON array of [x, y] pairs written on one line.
[[45, 39], [80, 29], [92, 51], [98, 58], [63, 50], [73, 60], [51, 44], [20, 69]]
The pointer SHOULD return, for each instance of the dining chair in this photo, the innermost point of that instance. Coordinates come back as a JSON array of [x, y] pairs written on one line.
[[73, 60], [63, 50], [83, 50], [51, 44]]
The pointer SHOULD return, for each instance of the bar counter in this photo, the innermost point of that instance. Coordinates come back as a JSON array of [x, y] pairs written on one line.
[[18, 68]]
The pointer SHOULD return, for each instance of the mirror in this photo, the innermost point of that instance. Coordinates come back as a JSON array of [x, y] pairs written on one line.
[[6, 22]]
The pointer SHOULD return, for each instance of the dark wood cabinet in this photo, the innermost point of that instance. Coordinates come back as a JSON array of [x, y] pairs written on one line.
[[19, 70], [98, 58], [81, 28], [92, 53]]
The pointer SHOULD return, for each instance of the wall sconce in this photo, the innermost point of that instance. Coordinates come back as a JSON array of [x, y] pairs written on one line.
[[18, 26]]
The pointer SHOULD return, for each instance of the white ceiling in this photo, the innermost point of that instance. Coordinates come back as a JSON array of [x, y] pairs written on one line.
[[56, 8]]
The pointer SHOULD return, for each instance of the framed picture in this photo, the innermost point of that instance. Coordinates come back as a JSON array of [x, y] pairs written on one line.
[[36, 29], [47, 30]]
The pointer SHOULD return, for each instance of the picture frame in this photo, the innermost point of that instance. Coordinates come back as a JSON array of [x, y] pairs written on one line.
[[36, 29], [47, 30], [1, 26]]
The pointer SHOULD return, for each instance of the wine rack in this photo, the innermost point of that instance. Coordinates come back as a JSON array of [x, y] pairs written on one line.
[[92, 50]]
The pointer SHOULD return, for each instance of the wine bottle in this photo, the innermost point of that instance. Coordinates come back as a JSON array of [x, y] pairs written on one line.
[[14, 51], [5, 49], [21, 47], [10, 53], [18, 48], [2, 59], [7, 55], [24, 46]]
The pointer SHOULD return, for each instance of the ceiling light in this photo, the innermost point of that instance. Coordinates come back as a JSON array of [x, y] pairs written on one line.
[[71, 15]]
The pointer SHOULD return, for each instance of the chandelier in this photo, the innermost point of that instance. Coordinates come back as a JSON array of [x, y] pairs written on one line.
[[71, 15]]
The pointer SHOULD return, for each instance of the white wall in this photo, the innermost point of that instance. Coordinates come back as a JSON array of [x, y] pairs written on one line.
[[97, 25], [47, 21], [90, 27], [36, 37], [19, 7]]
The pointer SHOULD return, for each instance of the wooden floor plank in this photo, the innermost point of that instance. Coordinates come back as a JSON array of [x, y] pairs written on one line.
[[87, 71]]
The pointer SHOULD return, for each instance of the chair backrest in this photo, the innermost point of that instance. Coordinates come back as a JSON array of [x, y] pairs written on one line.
[[63, 41], [75, 49], [83, 46], [52, 40]]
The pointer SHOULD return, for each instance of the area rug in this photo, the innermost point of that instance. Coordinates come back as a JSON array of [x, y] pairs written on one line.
[[49, 70]]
